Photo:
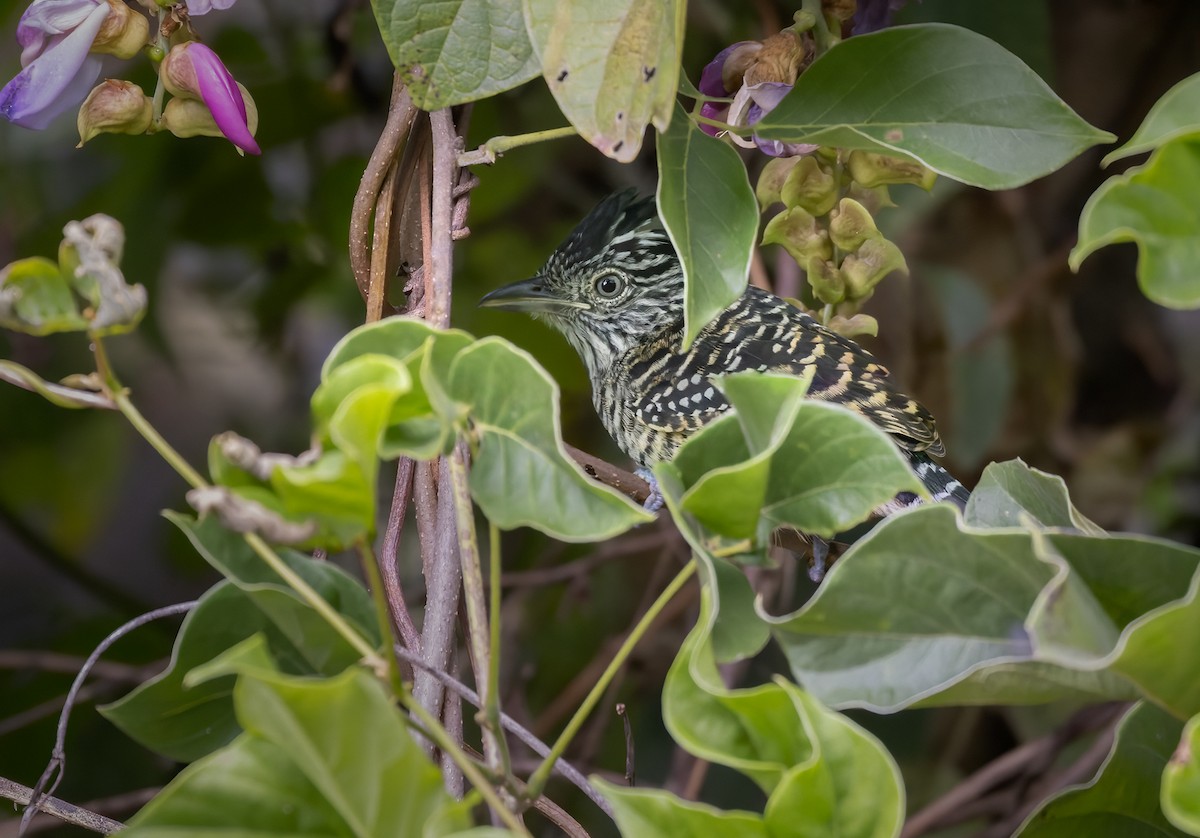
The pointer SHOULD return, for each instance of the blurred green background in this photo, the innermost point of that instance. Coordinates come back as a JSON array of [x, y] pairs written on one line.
[[246, 264]]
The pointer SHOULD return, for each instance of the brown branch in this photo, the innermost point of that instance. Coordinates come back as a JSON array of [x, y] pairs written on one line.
[[401, 115], [623, 712], [623, 481], [61, 809], [389, 556]]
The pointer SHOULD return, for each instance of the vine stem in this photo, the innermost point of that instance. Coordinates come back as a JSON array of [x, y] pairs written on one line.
[[496, 146], [484, 642], [434, 730], [538, 779]]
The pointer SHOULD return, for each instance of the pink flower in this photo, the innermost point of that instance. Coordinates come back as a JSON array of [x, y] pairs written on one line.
[[193, 71], [55, 36]]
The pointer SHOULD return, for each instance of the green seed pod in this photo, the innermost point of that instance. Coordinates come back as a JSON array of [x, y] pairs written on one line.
[[850, 225], [828, 283], [771, 180], [874, 260], [811, 186], [870, 170], [799, 234]]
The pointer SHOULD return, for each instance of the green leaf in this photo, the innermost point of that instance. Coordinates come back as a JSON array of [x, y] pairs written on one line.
[[737, 631], [249, 788], [1153, 205], [709, 210], [181, 723], [1123, 798], [35, 298], [1011, 494], [456, 51], [185, 720], [1181, 781], [1175, 116], [348, 738], [810, 465], [653, 812], [824, 775], [521, 475], [954, 100], [319, 757], [613, 67], [928, 609]]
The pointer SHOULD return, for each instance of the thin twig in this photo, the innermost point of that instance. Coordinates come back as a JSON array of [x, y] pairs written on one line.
[[389, 556], [1039, 752], [61, 809], [42, 661], [623, 712], [53, 774], [561, 766], [538, 781]]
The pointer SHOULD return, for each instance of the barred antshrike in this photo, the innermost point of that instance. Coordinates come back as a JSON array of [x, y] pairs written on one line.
[[614, 288]]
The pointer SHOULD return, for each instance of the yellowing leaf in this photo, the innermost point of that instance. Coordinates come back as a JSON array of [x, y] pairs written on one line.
[[613, 67]]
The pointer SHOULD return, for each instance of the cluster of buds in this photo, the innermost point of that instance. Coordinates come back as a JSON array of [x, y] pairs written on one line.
[[62, 42], [827, 224]]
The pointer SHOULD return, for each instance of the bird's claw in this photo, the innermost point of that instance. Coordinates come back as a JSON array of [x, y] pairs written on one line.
[[654, 501]]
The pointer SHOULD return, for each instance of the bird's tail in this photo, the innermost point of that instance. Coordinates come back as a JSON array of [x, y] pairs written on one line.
[[941, 484]]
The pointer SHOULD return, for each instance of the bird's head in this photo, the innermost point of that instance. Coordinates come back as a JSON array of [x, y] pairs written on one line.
[[614, 282]]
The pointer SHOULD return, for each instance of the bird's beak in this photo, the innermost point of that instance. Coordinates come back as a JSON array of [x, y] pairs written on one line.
[[528, 295]]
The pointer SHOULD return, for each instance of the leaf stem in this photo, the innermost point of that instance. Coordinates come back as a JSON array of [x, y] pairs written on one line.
[[370, 657], [382, 613], [496, 146], [538, 780], [120, 397], [823, 38]]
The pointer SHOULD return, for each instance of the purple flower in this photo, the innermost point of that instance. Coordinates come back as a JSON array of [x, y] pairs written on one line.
[[873, 15], [202, 7], [729, 74], [55, 36], [193, 71]]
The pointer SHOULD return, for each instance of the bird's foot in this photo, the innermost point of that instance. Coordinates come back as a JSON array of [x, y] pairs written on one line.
[[654, 501], [820, 556]]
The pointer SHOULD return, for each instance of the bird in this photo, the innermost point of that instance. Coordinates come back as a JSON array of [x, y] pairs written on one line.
[[614, 288]]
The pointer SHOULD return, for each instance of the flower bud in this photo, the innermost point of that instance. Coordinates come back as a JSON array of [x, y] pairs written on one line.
[[192, 71], [827, 282], [850, 225], [124, 32], [799, 234], [810, 186], [114, 107], [875, 259], [874, 198], [879, 169], [191, 118], [770, 180]]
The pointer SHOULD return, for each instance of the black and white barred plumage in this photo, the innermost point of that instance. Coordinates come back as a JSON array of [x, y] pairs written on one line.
[[614, 288]]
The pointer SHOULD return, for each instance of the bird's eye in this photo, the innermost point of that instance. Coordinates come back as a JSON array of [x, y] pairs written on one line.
[[609, 285]]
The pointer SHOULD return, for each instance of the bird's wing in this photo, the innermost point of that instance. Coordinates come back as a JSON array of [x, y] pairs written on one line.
[[777, 337]]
